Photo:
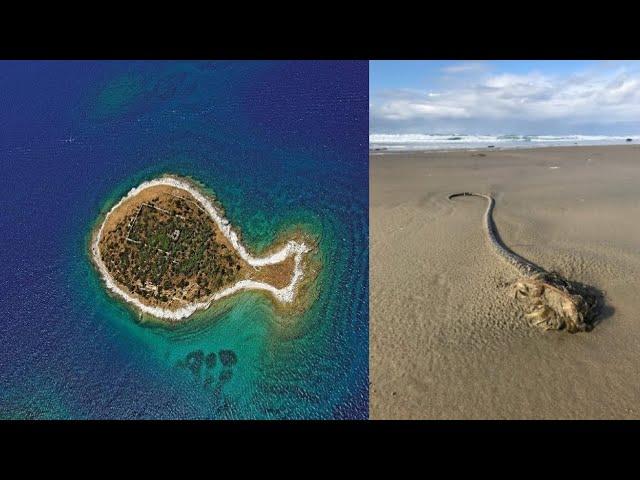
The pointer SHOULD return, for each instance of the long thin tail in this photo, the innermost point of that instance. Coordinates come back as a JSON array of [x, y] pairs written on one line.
[[522, 264]]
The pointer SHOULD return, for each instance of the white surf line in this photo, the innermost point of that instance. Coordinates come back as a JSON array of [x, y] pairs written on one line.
[[285, 294]]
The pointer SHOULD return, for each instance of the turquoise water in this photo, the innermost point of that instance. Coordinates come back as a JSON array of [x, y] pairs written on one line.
[[280, 144]]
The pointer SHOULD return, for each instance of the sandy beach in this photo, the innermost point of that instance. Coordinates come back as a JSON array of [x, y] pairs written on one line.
[[446, 339]]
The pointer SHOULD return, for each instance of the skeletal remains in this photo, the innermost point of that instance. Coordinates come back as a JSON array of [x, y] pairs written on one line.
[[553, 303]]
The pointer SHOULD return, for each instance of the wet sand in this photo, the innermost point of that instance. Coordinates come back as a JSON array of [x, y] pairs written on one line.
[[446, 339]]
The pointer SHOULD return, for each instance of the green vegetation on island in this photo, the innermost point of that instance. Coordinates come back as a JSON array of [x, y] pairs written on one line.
[[169, 250]]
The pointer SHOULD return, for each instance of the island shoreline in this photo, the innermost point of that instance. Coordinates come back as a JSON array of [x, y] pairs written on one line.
[[295, 248]]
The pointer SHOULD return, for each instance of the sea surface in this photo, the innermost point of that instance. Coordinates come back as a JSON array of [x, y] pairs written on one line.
[[381, 142], [280, 144]]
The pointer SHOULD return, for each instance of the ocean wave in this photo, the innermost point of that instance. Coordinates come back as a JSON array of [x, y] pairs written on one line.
[[402, 141]]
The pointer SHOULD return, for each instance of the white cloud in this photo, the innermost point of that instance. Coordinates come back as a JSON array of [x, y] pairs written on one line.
[[465, 67], [404, 109], [603, 97]]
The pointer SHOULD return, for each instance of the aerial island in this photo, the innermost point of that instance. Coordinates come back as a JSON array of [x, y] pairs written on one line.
[[167, 249]]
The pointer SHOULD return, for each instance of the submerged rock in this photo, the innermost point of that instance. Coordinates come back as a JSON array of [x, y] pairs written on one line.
[[211, 360], [194, 361], [228, 358], [225, 375]]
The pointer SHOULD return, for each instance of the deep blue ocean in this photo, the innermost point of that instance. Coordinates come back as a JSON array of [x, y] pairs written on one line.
[[279, 143]]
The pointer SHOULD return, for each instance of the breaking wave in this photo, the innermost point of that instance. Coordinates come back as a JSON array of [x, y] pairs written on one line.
[[418, 141]]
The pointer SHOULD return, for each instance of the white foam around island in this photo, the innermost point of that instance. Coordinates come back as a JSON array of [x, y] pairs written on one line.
[[285, 294]]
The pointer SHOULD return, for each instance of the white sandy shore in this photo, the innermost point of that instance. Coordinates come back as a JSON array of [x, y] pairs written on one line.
[[285, 294]]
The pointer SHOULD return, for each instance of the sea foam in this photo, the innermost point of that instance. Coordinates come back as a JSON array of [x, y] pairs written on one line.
[[418, 141]]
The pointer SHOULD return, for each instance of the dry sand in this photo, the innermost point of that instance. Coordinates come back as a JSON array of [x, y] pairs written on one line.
[[446, 340]]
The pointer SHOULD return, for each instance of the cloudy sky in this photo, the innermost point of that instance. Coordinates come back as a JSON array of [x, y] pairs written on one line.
[[505, 97]]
